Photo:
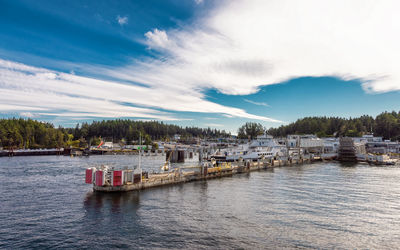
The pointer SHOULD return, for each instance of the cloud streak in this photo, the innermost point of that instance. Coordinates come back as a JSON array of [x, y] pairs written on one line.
[[242, 45], [213, 125], [256, 103], [52, 93], [122, 20], [236, 48]]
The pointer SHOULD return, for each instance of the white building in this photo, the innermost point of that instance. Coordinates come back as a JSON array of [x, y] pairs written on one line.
[[108, 145], [311, 143], [304, 141], [263, 141], [367, 138], [331, 144]]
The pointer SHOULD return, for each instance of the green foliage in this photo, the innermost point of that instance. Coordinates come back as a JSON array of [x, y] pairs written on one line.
[[28, 133], [250, 130], [147, 140], [386, 124], [95, 141], [74, 144], [21, 133], [131, 130]]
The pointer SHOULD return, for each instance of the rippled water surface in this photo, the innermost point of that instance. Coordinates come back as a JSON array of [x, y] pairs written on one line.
[[45, 203]]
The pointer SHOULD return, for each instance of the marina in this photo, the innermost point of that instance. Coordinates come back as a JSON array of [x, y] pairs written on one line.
[[111, 180], [263, 153], [199, 124]]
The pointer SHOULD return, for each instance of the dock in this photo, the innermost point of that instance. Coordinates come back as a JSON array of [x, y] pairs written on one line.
[[189, 174]]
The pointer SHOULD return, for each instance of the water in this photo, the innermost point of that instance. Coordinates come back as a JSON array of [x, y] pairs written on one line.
[[44, 203]]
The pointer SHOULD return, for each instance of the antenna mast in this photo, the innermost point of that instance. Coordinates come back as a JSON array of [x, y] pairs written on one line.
[[140, 150]]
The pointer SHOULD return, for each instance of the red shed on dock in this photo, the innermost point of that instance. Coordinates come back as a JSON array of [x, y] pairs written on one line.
[[118, 178], [89, 175], [100, 178]]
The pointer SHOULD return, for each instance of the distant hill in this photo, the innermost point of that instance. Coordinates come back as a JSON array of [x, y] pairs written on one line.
[[21, 133], [130, 130], [28, 133], [386, 124]]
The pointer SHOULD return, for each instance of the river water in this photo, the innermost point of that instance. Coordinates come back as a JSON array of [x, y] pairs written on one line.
[[44, 203]]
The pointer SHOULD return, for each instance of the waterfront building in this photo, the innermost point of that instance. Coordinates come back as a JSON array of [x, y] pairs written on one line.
[[107, 145], [368, 138], [383, 147], [331, 145], [309, 143], [347, 150]]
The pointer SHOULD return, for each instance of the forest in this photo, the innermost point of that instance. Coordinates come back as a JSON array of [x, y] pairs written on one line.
[[28, 133], [130, 129], [386, 124], [21, 133]]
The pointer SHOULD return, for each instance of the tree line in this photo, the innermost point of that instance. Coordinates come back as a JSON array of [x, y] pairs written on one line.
[[386, 124], [130, 130], [21, 133], [28, 133]]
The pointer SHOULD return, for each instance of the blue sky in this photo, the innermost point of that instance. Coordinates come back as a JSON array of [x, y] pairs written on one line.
[[201, 63]]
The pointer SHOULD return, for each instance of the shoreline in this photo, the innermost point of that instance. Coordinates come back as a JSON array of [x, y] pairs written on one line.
[[64, 152]]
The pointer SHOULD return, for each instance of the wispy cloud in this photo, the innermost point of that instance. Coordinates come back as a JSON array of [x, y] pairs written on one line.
[[122, 20], [242, 45], [213, 125], [50, 93], [198, 1], [256, 103], [27, 114], [236, 48]]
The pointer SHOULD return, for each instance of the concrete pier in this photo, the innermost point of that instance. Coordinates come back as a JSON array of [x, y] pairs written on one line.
[[197, 173]]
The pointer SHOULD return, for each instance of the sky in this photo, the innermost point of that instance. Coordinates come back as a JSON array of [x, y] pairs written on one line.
[[199, 63]]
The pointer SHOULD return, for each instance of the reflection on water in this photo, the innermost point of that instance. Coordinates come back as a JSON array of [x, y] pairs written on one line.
[[44, 203], [349, 164], [96, 200]]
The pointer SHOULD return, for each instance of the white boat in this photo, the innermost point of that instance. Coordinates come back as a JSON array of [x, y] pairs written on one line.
[[385, 160], [263, 147], [237, 153], [267, 152]]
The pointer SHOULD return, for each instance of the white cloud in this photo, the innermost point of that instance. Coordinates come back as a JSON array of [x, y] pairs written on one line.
[[27, 114], [16, 107], [198, 1], [213, 125], [51, 93], [158, 39], [122, 20], [256, 103], [236, 48], [242, 45], [46, 76]]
